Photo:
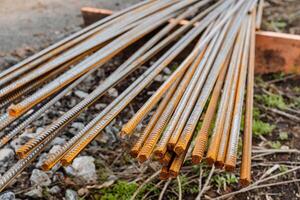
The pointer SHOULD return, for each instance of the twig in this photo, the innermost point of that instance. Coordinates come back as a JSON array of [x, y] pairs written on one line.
[[284, 114], [153, 188], [200, 182], [257, 187], [179, 188], [164, 189], [144, 183], [276, 151], [206, 183], [281, 79], [270, 171]]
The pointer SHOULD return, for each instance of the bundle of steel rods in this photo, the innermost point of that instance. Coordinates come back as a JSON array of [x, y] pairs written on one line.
[[218, 71]]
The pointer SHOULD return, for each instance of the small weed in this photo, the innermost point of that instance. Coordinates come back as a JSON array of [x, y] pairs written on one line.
[[256, 113], [198, 127], [240, 146], [174, 67], [149, 187], [283, 168], [283, 136], [262, 128], [273, 100], [296, 103], [122, 190], [275, 145], [221, 181], [296, 90]]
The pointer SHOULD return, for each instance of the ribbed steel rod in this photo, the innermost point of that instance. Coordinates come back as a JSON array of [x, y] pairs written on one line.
[[259, 14], [139, 143], [245, 177], [184, 137], [215, 139], [161, 146], [202, 136], [220, 159], [231, 154]]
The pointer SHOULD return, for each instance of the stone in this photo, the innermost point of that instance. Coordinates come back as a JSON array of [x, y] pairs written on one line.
[[159, 78], [41, 160], [39, 130], [6, 154], [58, 141], [35, 193], [7, 196], [81, 94], [167, 71], [54, 149], [11, 60], [113, 92], [54, 190], [77, 125], [100, 106], [16, 143], [71, 195], [40, 178], [85, 169]]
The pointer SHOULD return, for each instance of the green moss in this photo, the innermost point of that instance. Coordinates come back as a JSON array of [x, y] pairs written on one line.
[[274, 101], [122, 190], [149, 187], [296, 90], [198, 127], [283, 168], [283, 136], [275, 145], [256, 113], [262, 128]]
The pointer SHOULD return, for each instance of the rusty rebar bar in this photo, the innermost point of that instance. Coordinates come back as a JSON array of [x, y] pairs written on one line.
[[139, 143], [230, 161], [225, 131], [245, 173], [202, 136]]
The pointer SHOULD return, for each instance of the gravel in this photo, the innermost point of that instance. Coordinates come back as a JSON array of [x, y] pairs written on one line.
[[7, 196], [40, 178], [71, 195], [6, 154]]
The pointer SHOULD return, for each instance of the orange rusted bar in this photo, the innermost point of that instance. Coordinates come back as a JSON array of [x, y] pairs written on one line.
[[177, 164], [216, 136], [202, 136], [232, 148], [245, 177], [166, 159], [164, 173], [135, 150]]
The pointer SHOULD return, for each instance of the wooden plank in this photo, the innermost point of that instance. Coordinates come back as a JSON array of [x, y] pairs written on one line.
[[275, 52], [91, 15]]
